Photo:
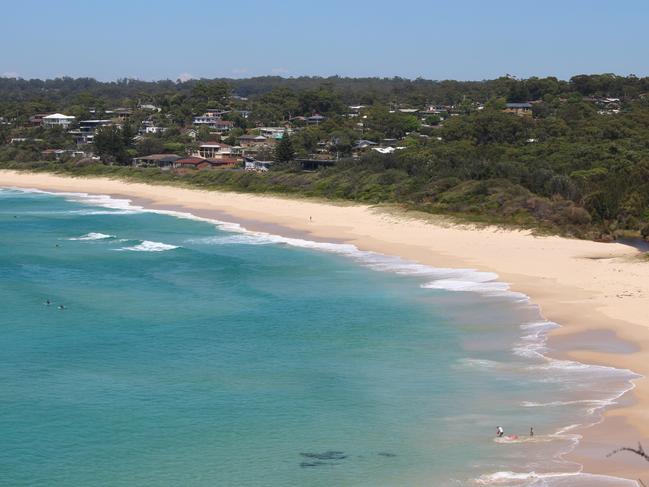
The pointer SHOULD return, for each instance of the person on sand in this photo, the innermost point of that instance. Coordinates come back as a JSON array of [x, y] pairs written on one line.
[[531, 431], [310, 219], [500, 431]]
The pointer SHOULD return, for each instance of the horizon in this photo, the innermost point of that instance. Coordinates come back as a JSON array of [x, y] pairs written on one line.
[[9, 76], [466, 41]]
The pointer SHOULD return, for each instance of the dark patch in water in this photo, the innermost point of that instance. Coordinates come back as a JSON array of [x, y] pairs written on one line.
[[314, 464], [386, 454], [328, 455]]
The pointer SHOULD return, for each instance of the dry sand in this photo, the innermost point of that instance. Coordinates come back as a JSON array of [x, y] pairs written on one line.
[[584, 286]]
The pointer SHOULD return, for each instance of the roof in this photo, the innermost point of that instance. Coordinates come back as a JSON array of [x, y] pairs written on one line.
[[193, 161], [58, 116], [211, 144], [160, 157], [519, 105], [252, 137]]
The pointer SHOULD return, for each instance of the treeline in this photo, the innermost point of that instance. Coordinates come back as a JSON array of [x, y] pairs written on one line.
[[64, 92]]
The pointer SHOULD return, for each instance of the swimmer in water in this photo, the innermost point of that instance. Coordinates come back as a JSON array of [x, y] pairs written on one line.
[[500, 432], [48, 302], [61, 307]]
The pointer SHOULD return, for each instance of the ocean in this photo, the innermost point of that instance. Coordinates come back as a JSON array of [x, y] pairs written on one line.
[[194, 352]]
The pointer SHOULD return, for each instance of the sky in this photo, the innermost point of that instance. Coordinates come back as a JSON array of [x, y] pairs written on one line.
[[434, 39]]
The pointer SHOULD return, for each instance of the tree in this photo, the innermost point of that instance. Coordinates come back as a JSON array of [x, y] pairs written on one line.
[[110, 146], [284, 151]]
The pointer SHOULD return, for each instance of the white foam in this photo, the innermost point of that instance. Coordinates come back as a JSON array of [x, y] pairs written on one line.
[[149, 246], [93, 236], [534, 479]]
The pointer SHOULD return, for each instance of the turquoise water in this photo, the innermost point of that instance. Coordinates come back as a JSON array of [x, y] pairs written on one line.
[[192, 353]]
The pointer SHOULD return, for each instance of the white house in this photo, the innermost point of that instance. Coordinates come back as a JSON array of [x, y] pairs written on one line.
[[58, 120], [274, 132]]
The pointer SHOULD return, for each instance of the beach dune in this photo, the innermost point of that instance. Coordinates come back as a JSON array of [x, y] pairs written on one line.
[[597, 291]]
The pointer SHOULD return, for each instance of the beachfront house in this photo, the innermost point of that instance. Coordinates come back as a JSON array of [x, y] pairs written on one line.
[[58, 120], [163, 161], [203, 163], [217, 150]]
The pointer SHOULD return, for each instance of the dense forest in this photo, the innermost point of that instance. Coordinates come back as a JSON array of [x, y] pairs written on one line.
[[579, 165]]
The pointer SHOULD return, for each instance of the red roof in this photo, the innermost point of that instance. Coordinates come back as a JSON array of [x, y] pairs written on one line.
[[193, 161]]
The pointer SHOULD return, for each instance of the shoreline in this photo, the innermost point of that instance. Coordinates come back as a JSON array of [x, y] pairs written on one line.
[[587, 287]]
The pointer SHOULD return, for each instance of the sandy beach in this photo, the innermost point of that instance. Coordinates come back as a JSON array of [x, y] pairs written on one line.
[[598, 292]]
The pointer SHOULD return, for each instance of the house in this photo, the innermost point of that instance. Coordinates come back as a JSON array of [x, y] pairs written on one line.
[[85, 134], [252, 164], [37, 120], [315, 119], [58, 120], [194, 163], [274, 132], [314, 164], [191, 133], [520, 109], [148, 106], [213, 122], [247, 141], [164, 161], [363, 144], [154, 129], [121, 113]]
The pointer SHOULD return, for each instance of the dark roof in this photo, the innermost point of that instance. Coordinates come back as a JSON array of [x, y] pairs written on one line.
[[160, 157], [519, 105]]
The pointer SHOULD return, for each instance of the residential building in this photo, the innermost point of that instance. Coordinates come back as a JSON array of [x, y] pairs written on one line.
[[315, 119], [213, 122], [58, 120], [363, 144], [248, 140], [203, 163], [520, 109], [274, 132], [37, 120], [164, 161], [217, 150]]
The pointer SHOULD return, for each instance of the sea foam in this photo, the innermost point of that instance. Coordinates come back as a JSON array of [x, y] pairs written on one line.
[[93, 236], [149, 246]]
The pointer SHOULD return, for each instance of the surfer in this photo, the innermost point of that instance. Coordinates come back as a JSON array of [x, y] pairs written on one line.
[[500, 431]]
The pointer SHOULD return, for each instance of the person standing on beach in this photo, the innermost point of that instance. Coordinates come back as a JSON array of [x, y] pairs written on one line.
[[531, 431]]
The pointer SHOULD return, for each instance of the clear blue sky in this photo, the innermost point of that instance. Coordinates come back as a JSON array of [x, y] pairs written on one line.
[[451, 39]]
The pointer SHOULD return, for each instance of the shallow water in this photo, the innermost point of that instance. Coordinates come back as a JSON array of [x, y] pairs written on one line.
[[194, 353]]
